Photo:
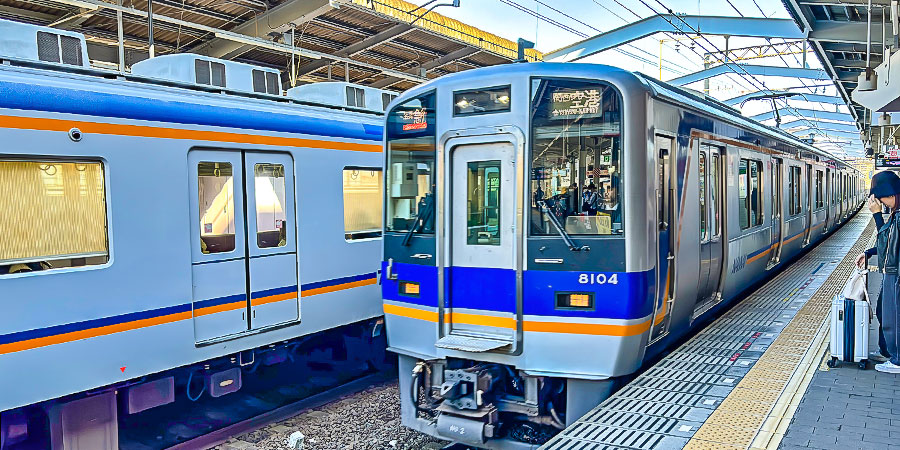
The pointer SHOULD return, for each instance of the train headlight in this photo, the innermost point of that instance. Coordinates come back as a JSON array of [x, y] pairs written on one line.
[[575, 300], [409, 289]]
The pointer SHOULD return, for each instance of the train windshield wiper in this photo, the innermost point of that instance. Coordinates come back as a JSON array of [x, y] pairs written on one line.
[[559, 229], [422, 216]]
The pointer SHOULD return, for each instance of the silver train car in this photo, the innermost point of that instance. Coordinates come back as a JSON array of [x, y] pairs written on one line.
[[186, 221], [551, 227]]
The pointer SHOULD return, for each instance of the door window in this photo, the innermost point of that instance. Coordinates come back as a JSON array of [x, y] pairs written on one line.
[[216, 186], [704, 233], [483, 203], [270, 217], [714, 194]]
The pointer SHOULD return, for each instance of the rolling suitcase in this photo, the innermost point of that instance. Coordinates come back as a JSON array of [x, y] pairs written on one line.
[[850, 316]]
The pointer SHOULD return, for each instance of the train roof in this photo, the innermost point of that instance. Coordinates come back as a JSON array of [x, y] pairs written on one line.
[[657, 88], [700, 101]]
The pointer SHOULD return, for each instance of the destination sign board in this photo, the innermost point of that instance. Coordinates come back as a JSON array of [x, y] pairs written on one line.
[[571, 103]]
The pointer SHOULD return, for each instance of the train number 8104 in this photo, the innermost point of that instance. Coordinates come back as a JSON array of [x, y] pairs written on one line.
[[598, 278]]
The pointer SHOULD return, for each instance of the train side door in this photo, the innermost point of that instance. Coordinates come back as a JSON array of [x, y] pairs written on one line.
[[809, 204], [271, 243], [827, 200], [777, 212], [483, 250], [243, 247], [219, 264], [666, 223], [709, 178]]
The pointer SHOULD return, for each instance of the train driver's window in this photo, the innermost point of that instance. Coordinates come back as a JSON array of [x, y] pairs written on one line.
[[54, 215], [216, 186], [411, 135], [271, 221], [576, 158], [363, 203]]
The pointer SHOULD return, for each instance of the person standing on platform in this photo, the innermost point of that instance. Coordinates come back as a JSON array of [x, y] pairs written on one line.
[[886, 188], [882, 354]]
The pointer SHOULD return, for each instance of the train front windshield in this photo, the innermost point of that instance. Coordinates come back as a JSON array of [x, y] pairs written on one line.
[[410, 165], [576, 170]]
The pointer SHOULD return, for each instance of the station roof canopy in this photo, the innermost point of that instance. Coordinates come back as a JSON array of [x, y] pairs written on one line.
[[837, 31], [370, 42]]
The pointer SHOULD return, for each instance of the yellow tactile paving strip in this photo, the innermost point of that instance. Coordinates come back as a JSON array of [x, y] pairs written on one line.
[[757, 412]]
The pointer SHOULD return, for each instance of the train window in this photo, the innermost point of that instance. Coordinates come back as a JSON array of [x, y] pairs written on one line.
[[362, 202], [271, 221], [410, 165], [54, 215], [750, 193], [714, 194], [483, 199], [704, 233], [794, 187], [576, 157], [820, 198], [481, 101], [216, 185]]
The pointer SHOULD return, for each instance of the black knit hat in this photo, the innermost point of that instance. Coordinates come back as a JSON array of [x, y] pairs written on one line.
[[885, 184]]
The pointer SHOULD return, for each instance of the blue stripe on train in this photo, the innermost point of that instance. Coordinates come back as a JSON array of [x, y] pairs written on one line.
[[159, 312], [66, 100], [491, 289], [93, 323], [337, 281]]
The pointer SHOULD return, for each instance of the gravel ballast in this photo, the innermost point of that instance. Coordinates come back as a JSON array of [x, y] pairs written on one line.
[[365, 420]]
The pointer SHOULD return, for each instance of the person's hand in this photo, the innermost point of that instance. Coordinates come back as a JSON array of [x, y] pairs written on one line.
[[861, 261], [874, 205]]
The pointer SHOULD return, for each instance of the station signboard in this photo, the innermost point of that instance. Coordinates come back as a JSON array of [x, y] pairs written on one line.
[[890, 157]]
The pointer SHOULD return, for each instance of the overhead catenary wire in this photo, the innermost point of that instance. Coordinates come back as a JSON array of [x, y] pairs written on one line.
[[580, 34], [752, 79]]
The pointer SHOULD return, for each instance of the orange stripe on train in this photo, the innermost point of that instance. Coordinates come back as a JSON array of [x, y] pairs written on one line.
[[35, 123], [92, 332]]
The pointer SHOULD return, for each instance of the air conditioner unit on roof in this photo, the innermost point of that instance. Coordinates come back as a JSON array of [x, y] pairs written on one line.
[[189, 68], [26, 42]]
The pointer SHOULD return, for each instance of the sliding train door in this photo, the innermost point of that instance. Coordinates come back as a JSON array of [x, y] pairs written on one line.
[[711, 243], [665, 207], [243, 245], [777, 212], [271, 246], [809, 204], [828, 213]]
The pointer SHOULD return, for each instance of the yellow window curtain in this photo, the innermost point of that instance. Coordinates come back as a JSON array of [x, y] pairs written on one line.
[[362, 200], [51, 210]]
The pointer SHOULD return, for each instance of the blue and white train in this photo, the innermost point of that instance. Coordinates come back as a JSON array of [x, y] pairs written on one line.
[[551, 227], [177, 222]]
